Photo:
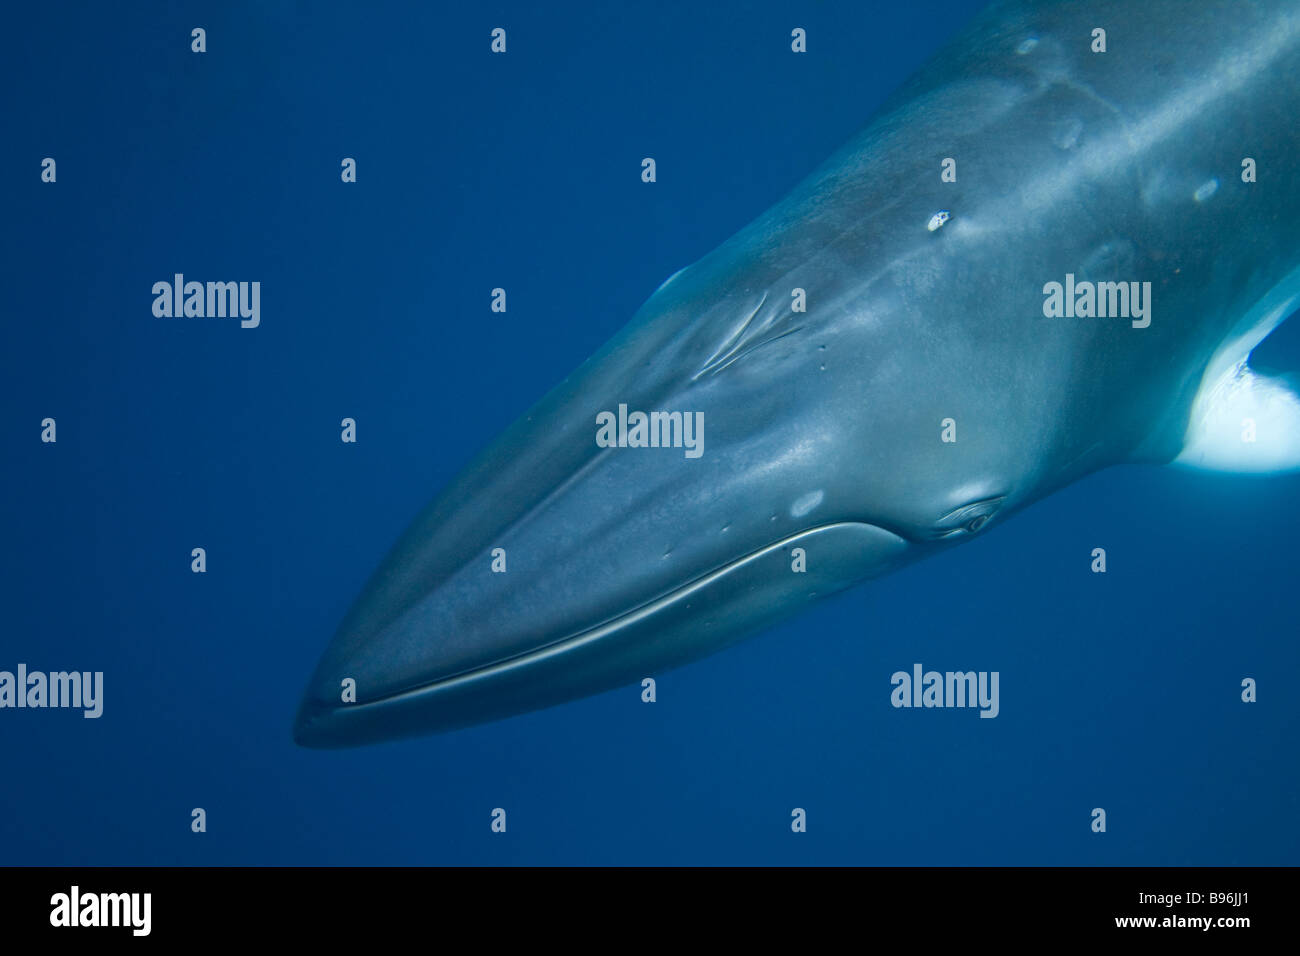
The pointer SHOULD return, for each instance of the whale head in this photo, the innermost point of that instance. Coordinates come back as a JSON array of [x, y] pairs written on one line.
[[724, 461]]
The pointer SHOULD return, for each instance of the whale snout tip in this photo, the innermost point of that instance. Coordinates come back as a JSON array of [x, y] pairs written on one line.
[[311, 725]]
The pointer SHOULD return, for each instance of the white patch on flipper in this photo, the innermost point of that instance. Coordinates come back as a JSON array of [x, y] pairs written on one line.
[[1233, 397], [1244, 423]]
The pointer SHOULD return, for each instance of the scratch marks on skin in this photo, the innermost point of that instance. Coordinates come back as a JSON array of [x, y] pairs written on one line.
[[749, 336]]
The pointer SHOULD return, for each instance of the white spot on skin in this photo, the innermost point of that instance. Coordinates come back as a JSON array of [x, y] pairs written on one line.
[[1206, 190], [1066, 133], [1027, 45], [938, 219], [806, 503]]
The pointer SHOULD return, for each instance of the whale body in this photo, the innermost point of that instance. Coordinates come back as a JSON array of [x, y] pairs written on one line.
[[883, 365]]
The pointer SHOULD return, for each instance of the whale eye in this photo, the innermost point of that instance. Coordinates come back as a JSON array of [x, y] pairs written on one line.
[[967, 519]]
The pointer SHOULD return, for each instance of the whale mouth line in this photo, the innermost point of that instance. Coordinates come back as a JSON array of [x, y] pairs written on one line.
[[586, 635]]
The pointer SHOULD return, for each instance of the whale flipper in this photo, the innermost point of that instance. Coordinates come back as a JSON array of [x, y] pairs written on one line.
[[1245, 422]]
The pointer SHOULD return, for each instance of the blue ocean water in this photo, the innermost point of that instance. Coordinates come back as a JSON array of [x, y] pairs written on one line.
[[475, 171]]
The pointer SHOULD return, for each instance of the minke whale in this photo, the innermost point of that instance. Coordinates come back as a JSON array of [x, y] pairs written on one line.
[[1052, 251]]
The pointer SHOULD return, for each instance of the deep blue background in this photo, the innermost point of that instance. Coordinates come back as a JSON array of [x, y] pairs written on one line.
[[523, 171]]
